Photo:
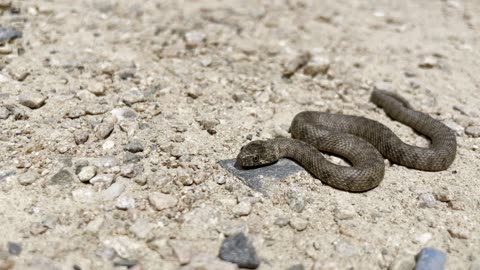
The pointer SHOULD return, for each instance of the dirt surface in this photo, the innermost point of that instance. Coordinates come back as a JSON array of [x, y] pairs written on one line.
[[114, 114]]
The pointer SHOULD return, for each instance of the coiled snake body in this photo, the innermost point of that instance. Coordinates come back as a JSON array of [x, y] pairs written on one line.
[[361, 141]]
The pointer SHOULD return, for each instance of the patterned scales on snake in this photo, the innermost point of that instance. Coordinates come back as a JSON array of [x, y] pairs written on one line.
[[361, 141]]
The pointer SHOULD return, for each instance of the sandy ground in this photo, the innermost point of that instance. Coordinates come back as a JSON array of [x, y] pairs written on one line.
[[117, 167]]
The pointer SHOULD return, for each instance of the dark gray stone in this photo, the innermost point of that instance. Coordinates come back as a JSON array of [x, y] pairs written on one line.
[[14, 248], [263, 178], [237, 249], [430, 259], [9, 33], [62, 177], [133, 147], [131, 158]]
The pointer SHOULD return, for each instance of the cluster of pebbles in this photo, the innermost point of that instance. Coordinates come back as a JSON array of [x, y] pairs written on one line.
[[114, 116]]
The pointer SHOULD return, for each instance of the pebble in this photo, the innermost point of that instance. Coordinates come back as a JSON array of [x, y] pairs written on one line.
[[62, 177], [97, 88], [402, 263], [298, 224], [128, 171], [244, 208], [317, 65], [443, 195], [345, 212], [131, 158], [4, 112], [429, 259], [473, 131], [112, 192], [124, 246], [427, 200], [141, 228], [105, 162], [123, 113], [37, 228], [28, 178], [194, 38], [125, 203], [428, 62], [220, 179], [14, 248], [104, 129], [104, 180], [133, 96], [296, 201], [423, 238], [383, 86], [95, 225], [184, 178], [83, 195], [181, 249], [80, 137], [162, 201], [295, 63], [458, 233], [458, 129], [86, 173], [32, 100], [8, 33], [238, 249], [133, 147], [281, 222]]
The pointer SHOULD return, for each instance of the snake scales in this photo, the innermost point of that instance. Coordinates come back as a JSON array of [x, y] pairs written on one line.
[[363, 142]]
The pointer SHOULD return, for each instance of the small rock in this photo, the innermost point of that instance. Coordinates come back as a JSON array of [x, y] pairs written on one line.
[[4, 112], [80, 137], [112, 192], [9, 33], [162, 201], [133, 96], [83, 195], [298, 224], [124, 113], [97, 88], [430, 258], [124, 246], [129, 264], [95, 225], [427, 200], [194, 39], [104, 180], [125, 203], [423, 238], [457, 205], [458, 233], [104, 129], [28, 178], [220, 179], [131, 158], [443, 195], [244, 208], [295, 63], [37, 228], [128, 171], [383, 86], [402, 263], [282, 222], [345, 212], [133, 147], [473, 131], [182, 250], [86, 173], [62, 177], [32, 100], [238, 249], [458, 129], [14, 248], [296, 201], [184, 178], [428, 62], [141, 228], [296, 267], [317, 65]]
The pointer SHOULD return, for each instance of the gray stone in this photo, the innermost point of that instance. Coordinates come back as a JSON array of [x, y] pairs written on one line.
[[299, 224], [133, 147], [14, 248], [317, 65], [4, 112], [141, 228], [473, 131], [124, 113], [242, 209], [28, 178], [62, 177], [32, 100], [131, 158], [9, 33], [104, 129], [102, 179], [194, 38], [427, 200], [239, 250], [112, 192], [125, 203], [162, 201], [295, 62], [428, 62], [80, 137], [296, 200], [264, 178], [133, 96], [296, 267], [86, 173], [430, 258]]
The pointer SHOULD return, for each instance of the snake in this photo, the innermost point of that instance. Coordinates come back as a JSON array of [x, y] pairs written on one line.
[[363, 142]]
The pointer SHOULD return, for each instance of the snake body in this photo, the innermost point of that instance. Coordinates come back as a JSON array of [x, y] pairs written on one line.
[[363, 142]]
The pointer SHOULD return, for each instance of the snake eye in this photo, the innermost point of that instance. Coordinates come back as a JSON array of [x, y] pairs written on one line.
[[255, 158]]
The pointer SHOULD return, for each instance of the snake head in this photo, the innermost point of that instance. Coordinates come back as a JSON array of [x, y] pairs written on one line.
[[257, 153]]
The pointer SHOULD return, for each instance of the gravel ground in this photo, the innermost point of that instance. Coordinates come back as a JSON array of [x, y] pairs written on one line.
[[114, 115]]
